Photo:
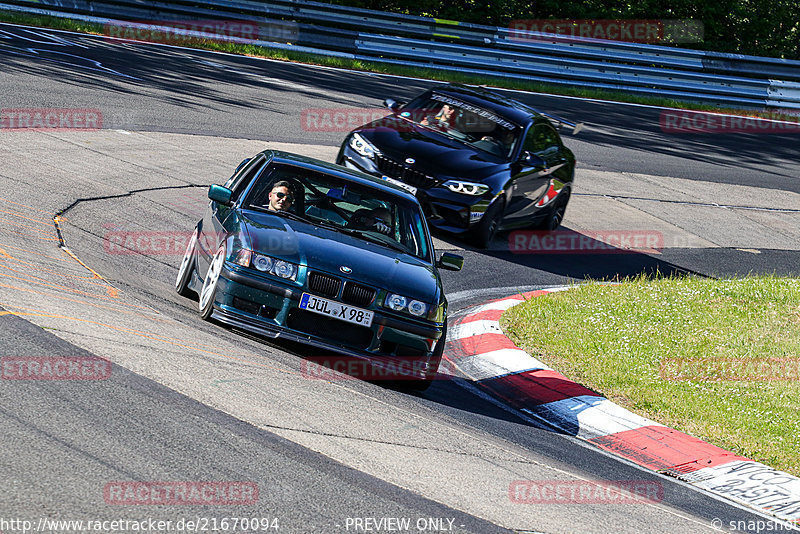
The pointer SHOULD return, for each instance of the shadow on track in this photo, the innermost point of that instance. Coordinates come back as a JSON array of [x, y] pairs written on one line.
[[213, 83]]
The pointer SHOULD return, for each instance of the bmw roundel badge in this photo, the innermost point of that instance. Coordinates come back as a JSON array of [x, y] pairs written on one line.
[[345, 269], [411, 161]]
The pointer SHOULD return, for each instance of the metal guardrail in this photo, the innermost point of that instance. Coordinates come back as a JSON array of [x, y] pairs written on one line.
[[462, 47]]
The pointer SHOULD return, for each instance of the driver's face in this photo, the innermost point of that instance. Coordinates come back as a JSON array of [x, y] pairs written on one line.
[[447, 111], [280, 199]]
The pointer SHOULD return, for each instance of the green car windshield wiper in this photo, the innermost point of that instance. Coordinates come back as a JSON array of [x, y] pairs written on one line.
[[366, 237], [394, 245], [290, 215]]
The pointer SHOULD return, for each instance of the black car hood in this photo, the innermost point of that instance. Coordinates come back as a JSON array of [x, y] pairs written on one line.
[[435, 153], [323, 249]]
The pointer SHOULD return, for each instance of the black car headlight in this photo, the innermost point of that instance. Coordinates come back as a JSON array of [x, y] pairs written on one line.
[[362, 146], [466, 188], [396, 302]]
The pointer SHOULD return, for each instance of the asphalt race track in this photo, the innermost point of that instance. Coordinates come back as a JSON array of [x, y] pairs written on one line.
[[192, 401]]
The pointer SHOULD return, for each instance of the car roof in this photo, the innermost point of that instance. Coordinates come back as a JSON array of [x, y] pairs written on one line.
[[312, 164], [506, 107]]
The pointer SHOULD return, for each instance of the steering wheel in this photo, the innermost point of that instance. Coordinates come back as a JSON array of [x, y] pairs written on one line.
[[325, 203], [358, 220]]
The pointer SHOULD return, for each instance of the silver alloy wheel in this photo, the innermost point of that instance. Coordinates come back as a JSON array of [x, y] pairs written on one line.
[[180, 283], [212, 276]]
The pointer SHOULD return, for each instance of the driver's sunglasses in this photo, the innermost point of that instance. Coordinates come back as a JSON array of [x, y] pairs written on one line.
[[289, 197]]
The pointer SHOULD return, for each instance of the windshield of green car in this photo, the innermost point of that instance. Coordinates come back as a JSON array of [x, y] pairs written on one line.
[[368, 213]]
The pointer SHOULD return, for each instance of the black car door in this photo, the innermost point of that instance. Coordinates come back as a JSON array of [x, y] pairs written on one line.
[[541, 155]]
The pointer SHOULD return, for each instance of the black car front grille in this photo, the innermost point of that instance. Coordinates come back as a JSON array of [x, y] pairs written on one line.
[[393, 169], [324, 284], [357, 294]]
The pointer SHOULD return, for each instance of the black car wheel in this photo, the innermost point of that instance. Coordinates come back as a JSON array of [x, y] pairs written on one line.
[[209, 290], [486, 229], [556, 213], [186, 269]]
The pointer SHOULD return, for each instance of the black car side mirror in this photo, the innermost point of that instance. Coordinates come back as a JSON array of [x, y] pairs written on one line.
[[392, 104], [220, 194], [450, 262], [531, 160]]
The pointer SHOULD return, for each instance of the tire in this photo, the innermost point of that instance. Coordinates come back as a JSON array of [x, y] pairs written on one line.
[[186, 269], [209, 291], [556, 214], [486, 229], [424, 383]]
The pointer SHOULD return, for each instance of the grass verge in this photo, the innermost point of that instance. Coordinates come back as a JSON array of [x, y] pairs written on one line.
[[44, 21], [694, 354]]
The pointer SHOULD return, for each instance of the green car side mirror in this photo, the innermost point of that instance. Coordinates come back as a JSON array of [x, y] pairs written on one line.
[[220, 194]]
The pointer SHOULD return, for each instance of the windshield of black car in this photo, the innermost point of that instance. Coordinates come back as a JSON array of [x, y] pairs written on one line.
[[468, 123], [362, 211]]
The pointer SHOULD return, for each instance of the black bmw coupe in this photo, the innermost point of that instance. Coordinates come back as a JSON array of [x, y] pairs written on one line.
[[477, 161]]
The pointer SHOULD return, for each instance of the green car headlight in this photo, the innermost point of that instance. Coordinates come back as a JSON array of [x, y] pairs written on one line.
[[263, 263], [275, 267], [397, 302], [284, 269], [417, 308]]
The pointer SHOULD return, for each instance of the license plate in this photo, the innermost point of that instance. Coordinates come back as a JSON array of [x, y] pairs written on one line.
[[410, 188], [337, 310]]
